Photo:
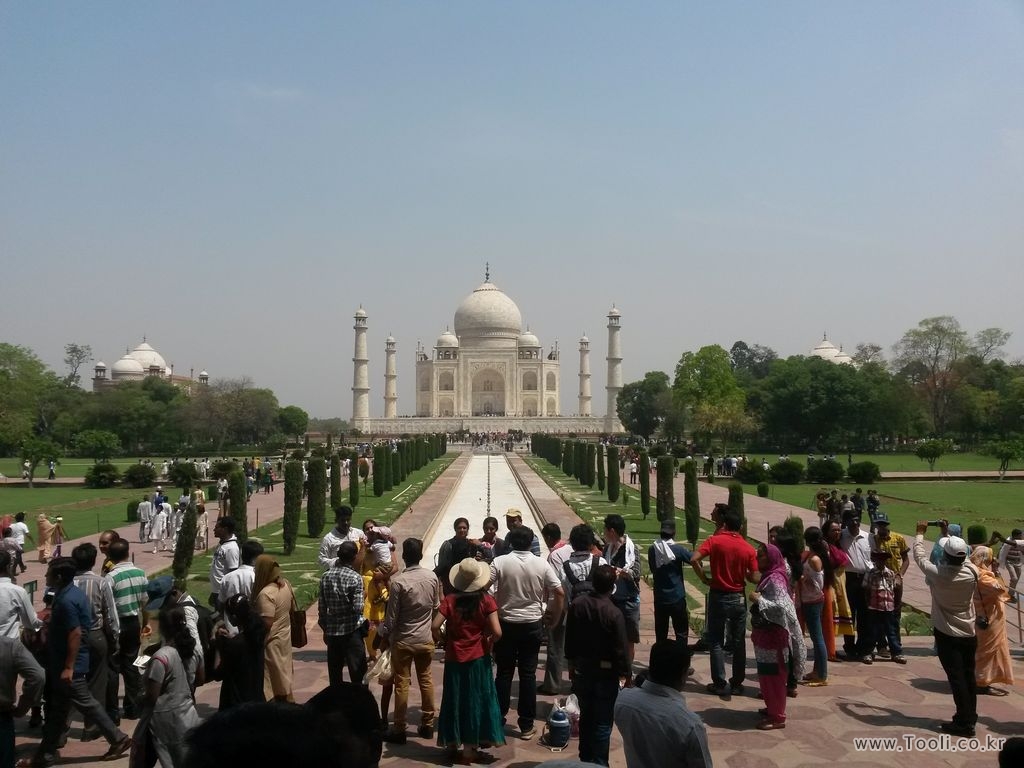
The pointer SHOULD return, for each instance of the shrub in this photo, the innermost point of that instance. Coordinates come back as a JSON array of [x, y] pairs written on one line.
[[139, 476], [600, 468], [567, 457], [825, 471], [591, 457], [977, 535], [353, 482], [335, 481], [750, 472], [645, 484], [691, 501], [132, 512], [378, 470], [316, 496], [795, 526], [666, 508], [183, 474], [762, 489], [237, 504], [864, 472], [102, 474], [293, 504], [787, 472], [613, 473]]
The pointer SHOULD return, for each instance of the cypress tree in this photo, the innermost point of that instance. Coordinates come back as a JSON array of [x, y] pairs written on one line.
[[591, 456], [335, 481], [397, 462], [666, 494], [316, 500], [600, 467], [185, 546], [353, 481], [567, 457], [691, 501], [645, 483], [305, 444], [577, 461], [388, 473], [613, 473], [237, 503], [378, 471], [292, 504], [736, 504]]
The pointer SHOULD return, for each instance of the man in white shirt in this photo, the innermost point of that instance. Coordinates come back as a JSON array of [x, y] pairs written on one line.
[[16, 611], [558, 552], [953, 583], [342, 531], [239, 581], [856, 543], [158, 528], [144, 513], [656, 725], [19, 530], [522, 583], [226, 557]]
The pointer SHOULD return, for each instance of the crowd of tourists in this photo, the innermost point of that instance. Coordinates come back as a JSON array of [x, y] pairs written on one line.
[[116, 645]]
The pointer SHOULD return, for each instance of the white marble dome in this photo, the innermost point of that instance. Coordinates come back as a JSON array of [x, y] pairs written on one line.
[[842, 358], [826, 350], [528, 339], [148, 357], [127, 366], [488, 313], [447, 340]]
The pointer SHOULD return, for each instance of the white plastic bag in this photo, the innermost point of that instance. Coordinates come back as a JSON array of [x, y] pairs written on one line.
[[572, 708], [381, 671]]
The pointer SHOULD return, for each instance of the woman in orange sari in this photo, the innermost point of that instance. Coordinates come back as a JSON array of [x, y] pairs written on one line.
[[992, 663]]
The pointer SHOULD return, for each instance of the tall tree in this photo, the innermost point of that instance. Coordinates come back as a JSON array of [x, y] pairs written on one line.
[[705, 376], [928, 356], [867, 352], [75, 356], [293, 421], [989, 342], [640, 403]]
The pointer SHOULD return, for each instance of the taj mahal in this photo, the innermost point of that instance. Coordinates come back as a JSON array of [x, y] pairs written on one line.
[[485, 374]]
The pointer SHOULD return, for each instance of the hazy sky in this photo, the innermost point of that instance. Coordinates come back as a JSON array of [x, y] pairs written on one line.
[[234, 179]]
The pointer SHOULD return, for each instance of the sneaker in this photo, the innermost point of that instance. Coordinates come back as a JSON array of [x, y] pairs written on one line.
[[718, 690], [901, 659], [883, 654], [528, 733], [866, 660], [395, 737], [736, 690], [119, 748]]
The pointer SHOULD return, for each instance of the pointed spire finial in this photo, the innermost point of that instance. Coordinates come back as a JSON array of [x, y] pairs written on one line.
[[487, 272]]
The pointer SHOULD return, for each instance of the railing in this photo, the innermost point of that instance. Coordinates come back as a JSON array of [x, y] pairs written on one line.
[[1014, 615]]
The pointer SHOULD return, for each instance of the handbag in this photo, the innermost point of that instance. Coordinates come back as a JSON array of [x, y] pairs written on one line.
[[298, 622]]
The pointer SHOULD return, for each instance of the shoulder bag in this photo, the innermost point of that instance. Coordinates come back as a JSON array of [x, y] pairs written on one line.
[[298, 623]]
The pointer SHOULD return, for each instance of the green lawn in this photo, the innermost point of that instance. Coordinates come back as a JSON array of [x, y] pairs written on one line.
[[301, 567], [908, 462], [68, 467], [997, 505], [85, 510]]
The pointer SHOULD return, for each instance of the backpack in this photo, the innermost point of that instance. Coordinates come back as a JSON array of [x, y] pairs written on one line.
[[579, 587], [205, 627]]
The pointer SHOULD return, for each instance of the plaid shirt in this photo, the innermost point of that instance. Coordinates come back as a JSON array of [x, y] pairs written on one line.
[[880, 589], [341, 601]]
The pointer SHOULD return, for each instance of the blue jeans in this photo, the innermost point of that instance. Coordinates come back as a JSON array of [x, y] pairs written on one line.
[[596, 693], [812, 616], [727, 608]]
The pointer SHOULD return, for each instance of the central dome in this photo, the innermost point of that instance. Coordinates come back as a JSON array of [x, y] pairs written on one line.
[[487, 312]]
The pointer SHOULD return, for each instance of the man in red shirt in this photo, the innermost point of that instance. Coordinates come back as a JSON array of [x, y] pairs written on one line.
[[733, 561]]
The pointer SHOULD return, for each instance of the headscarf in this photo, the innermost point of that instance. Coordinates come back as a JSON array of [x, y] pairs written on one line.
[[267, 571], [776, 570], [982, 557]]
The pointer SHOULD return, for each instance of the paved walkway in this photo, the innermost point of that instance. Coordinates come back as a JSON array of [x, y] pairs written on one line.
[[884, 700]]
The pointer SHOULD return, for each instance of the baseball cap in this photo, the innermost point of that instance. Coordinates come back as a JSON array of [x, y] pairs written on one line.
[[514, 513], [953, 546], [158, 589], [881, 519]]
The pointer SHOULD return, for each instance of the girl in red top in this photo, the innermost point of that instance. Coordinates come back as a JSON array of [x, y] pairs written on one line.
[[469, 717]]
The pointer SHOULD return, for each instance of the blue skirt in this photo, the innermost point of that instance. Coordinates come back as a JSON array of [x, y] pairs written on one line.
[[469, 706]]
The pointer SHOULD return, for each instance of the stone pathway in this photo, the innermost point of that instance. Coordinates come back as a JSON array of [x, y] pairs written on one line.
[[883, 700]]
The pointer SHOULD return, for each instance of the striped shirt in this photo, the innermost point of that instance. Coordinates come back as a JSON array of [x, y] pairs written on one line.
[[129, 586], [101, 598]]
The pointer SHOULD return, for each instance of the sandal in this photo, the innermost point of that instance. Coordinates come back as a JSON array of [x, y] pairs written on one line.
[[771, 725], [36, 762]]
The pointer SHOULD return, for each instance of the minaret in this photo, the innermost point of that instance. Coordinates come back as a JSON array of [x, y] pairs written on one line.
[[584, 408], [390, 380], [360, 373], [614, 386]]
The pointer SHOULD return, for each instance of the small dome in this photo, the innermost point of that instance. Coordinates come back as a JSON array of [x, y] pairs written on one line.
[[447, 340], [148, 357], [204, 375], [360, 312], [128, 366], [528, 340], [613, 312], [584, 339], [389, 340], [488, 312], [842, 358], [826, 350], [101, 365]]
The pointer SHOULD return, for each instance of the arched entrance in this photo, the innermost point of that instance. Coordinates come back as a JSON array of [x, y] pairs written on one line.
[[488, 394]]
